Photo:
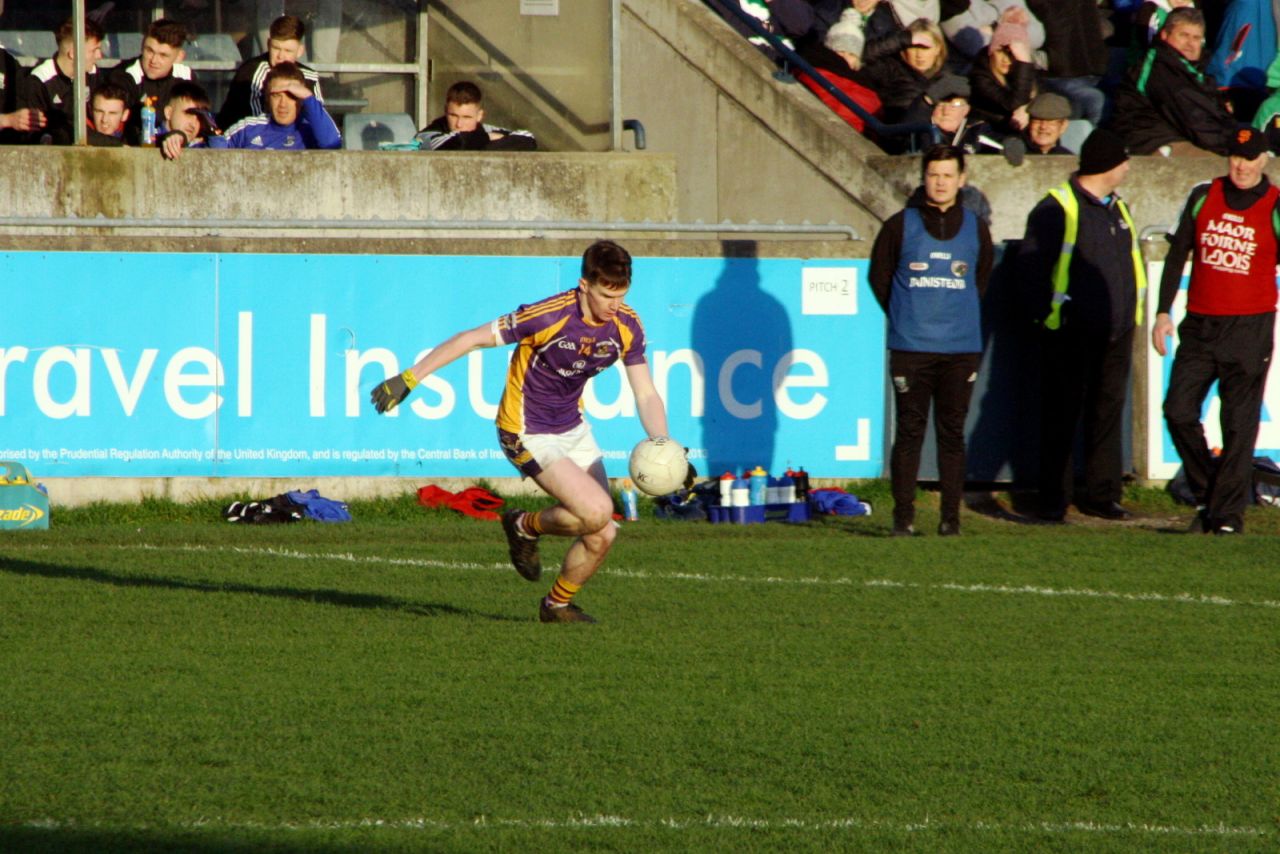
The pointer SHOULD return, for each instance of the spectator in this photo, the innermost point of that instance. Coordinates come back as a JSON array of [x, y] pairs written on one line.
[[1245, 47], [1073, 41], [970, 25], [284, 44], [296, 120], [187, 121], [49, 88], [1082, 276], [787, 19], [929, 269], [15, 123], [110, 111], [949, 122], [462, 126], [1049, 113], [152, 74], [838, 60], [1004, 81], [883, 32], [1167, 103], [901, 80], [1150, 18]]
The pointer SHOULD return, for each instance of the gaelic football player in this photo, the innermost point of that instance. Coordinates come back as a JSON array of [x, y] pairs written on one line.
[[561, 342]]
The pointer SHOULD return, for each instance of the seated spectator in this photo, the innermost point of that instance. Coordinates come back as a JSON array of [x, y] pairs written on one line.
[[949, 120], [15, 123], [837, 61], [153, 73], [462, 126], [295, 118], [1077, 54], [1150, 18], [900, 80], [49, 88], [1166, 103], [284, 44], [969, 25], [1004, 81], [1049, 115], [107, 116], [884, 34], [187, 121]]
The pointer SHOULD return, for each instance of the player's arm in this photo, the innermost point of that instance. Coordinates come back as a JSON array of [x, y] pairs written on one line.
[[388, 394], [649, 405]]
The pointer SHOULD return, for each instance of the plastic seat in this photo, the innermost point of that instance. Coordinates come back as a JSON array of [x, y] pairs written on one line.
[[34, 43], [366, 131]]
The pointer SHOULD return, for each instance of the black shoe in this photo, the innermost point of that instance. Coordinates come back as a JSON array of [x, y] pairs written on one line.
[[948, 529], [523, 550], [904, 531], [1051, 517], [1109, 510], [570, 613], [1200, 522]]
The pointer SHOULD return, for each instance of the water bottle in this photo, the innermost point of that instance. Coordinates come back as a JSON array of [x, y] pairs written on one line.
[[726, 489], [148, 121], [741, 492], [630, 511], [787, 488], [759, 485]]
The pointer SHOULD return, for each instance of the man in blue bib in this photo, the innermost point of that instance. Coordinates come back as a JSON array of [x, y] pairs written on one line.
[[929, 269]]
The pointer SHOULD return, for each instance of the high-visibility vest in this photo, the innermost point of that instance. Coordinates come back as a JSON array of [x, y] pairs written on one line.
[[1066, 197]]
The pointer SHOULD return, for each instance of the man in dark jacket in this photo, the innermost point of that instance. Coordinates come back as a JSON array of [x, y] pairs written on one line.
[[1082, 279], [1168, 101], [14, 122], [1228, 230], [49, 89], [929, 269], [148, 77], [462, 126], [245, 98]]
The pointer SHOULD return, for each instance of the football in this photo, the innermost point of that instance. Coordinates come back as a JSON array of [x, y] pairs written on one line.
[[659, 466]]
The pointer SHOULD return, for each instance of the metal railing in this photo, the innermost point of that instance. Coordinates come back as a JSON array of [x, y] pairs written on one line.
[[790, 57], [534, 228]]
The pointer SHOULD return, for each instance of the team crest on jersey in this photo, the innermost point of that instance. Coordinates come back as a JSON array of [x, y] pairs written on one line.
[[959, 268]]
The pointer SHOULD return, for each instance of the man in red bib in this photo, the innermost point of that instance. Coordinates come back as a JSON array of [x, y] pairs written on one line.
[[1228, 227]]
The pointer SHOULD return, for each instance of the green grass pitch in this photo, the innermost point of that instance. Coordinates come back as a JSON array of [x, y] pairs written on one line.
[[172, 682]]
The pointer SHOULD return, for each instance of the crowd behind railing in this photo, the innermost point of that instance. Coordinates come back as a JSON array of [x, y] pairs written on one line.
[[1018, 77], [275, 101]]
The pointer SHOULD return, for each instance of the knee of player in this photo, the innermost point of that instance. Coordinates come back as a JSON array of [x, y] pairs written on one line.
[[598, 518], [602, 538]]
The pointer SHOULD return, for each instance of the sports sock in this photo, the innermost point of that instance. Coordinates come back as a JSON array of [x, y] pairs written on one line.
[[561, 592], [530, 524]]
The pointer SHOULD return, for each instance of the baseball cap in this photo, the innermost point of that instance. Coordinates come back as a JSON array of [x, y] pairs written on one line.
[[1247, 143]]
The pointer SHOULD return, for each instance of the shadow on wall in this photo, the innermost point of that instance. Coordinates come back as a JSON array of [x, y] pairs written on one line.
[[1004, 428], [741, 332]]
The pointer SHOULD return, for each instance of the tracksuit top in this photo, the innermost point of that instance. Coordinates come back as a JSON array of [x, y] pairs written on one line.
[[1233, 271], [934, 305]]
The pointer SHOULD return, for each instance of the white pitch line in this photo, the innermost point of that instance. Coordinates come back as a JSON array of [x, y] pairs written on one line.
[[722, 822], [703, 577]]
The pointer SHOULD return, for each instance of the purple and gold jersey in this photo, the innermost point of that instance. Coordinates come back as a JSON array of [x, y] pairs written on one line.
[[558, 352]]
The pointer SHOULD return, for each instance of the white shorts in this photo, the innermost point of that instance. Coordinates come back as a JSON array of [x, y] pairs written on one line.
[[533, 452]]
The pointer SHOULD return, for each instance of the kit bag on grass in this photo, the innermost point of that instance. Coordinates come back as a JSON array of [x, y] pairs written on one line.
[[23, 506]]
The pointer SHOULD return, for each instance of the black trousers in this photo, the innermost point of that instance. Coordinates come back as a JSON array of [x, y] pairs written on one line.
[[1084, 378], [1235, 351], [944, 380]]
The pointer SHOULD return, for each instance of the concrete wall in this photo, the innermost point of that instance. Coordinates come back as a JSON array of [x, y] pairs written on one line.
[[39, 181]]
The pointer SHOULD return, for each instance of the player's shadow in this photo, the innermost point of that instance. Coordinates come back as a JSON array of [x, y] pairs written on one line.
[[341, 598], [741, 327]]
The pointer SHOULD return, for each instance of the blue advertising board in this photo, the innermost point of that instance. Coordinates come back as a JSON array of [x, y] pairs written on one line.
[[248, 365]]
